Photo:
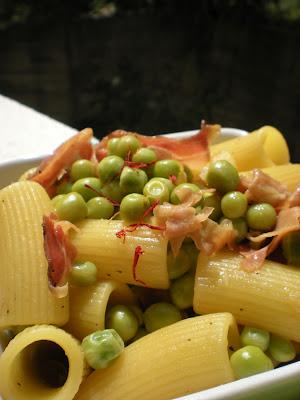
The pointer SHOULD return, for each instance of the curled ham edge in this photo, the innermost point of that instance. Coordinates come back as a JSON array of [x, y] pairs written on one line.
[[181, 221], [59, 253], [288, 220]]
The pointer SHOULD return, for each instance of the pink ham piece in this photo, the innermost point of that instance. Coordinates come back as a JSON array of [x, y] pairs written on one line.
[[288, 220], [59, 253], [261, 188], [53, 167]]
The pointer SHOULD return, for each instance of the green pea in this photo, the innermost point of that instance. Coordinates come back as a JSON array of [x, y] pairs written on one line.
[[179, 265], [83, 273], [222, 176], [102, 347], [144, 155], [240, 225], [291, 248], [175, 195], [182, 291], [64, 187], [123, 320], [249, 360], [133, 180], [113, 191], [255, 337], [87, 187], [82, 169], [159, 315], [166, 168], [261, 217], [100, 208], [55, 200], [282, 350], [72, 207], [110, 168], [212, 200], [167, 182], [127, 146], [138, 313], [133, 206], [112, 146], [234, 204], [156, 190]]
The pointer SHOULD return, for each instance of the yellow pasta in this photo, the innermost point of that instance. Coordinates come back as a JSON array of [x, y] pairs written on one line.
[[25, 359], [260, 149], [97, 242], [274, 144], [268, 298], [288, 174], [88, 305], [25, 298], [186, 357]]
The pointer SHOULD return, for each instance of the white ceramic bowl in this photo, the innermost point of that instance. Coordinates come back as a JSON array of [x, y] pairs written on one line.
[[280, 384]]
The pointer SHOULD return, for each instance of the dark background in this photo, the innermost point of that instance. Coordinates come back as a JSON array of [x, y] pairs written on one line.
[[155, 66]]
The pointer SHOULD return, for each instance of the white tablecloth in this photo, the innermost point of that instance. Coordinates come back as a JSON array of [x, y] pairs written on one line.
[[25, 132]]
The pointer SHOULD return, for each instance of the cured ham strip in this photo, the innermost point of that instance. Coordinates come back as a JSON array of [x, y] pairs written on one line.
[[51, 168], [294, 199], [288, 220], [213, 236], [192, 151], [261, 188], [180, 221], [60, 253]]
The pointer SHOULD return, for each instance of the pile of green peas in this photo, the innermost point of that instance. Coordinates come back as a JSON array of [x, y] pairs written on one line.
[[233, 204], [129, 179], [261, 352]]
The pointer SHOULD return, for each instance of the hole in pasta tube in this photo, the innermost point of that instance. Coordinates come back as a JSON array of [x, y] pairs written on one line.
[[41, 362], [48, 363]]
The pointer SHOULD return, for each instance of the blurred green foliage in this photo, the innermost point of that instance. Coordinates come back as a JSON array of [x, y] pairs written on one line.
[[19, 11]]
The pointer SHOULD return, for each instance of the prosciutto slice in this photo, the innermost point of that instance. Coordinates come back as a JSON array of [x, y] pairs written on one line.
[[50, 169], [60, 253], [288, 220], [262, 188]]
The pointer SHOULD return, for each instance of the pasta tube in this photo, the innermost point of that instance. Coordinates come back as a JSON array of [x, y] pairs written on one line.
[[88, 305], [27, 357], [288, 174], [114, 257], [25, 298], [268, 298], [263, 148], [182, 358]]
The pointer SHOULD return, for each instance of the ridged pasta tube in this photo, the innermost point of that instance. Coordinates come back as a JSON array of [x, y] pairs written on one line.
[[28, 354], [268, 298], [263, 148], [25, 298], [182, 358], [114, 257], [88, 305]]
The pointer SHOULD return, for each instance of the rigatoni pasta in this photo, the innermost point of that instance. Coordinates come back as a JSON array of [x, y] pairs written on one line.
[[263, 148], [25, 298], [24, 363], [268, 298], [88, 305], [97, 241], [188, 356]]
